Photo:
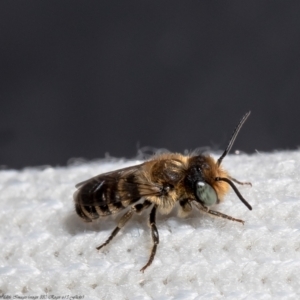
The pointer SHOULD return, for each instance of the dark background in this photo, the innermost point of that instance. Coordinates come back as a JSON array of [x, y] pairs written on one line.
[[82, 78]]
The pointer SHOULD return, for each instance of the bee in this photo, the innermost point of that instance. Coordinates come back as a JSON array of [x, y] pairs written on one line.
[[161, 183]]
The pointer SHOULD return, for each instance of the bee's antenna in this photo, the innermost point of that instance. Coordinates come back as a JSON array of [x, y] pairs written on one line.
[[235, 190], [234, 135]]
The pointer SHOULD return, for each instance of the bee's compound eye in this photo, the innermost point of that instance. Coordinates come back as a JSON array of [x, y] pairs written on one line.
[[206, 193]]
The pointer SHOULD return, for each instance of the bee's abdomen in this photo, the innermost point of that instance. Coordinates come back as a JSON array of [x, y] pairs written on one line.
[[98, 199], [89, 212]]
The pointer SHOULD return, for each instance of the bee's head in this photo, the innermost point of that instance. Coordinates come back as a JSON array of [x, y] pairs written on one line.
[[210, 182]]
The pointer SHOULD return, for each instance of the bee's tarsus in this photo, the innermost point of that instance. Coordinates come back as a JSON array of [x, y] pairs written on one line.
[[217, 213], [125, 218], [240, 182], [155, 238]]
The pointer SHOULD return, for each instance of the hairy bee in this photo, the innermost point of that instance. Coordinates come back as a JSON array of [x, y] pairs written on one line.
[[159, 183]]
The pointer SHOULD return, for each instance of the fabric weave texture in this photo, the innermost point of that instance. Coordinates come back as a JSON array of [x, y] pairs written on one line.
[[47, 250]]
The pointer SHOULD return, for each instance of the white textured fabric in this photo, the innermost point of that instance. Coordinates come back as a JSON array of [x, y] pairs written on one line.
[[47, 250]]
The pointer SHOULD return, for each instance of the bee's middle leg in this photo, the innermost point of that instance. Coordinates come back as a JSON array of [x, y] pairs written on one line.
[[137, 208], [155, 238]]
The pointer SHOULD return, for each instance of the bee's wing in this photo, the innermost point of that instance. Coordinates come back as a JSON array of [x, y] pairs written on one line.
[[124, 185], [112, 174]]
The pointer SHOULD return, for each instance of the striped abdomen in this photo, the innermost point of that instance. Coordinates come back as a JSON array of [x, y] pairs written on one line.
[[105, 195]]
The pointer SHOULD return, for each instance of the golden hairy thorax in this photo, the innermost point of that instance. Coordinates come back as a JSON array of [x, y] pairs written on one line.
[[170, 170]]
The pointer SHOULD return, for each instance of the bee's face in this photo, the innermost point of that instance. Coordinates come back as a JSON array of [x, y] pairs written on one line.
[[200, 178]]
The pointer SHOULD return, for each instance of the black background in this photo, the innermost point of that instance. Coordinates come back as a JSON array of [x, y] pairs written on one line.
[[82, 78]]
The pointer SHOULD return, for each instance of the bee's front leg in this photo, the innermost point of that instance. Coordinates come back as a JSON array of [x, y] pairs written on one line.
[[217, 213]]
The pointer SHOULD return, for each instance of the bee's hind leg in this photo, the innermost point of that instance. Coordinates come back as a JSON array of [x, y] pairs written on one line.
[[155, 238], [137, 208]]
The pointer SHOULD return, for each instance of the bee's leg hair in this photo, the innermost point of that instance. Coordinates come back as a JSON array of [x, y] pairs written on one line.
[[155, 238], [137, 208], [216, 213]]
